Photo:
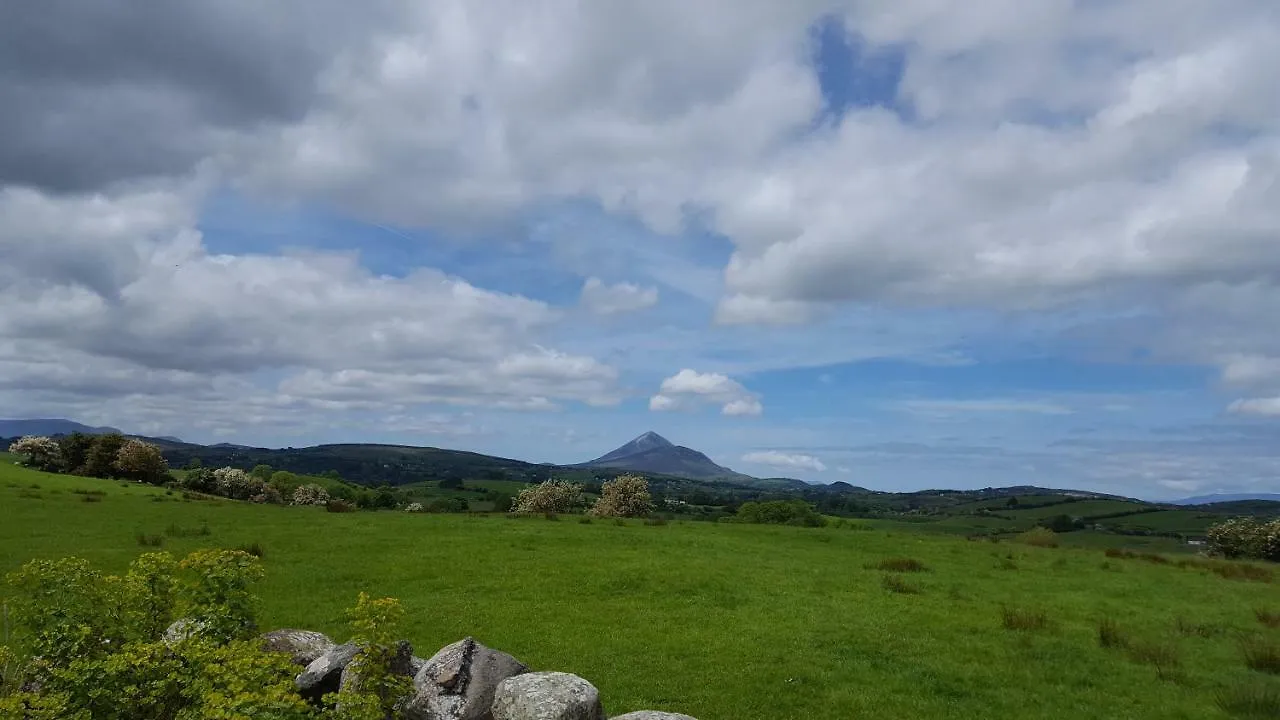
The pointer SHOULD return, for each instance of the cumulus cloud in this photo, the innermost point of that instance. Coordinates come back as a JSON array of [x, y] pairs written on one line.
[[603, 299], [689, 388], [785, 461]]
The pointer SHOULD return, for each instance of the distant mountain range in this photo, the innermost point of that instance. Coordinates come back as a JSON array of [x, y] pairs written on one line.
[[652, 453], [49, 427], [1228, 497]]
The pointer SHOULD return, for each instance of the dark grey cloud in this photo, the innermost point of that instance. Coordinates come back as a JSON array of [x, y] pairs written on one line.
[[95, 92]]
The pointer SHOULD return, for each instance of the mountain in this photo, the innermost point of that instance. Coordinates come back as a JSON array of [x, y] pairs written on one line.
[[1211, 499], [49, 427], [652, 453]]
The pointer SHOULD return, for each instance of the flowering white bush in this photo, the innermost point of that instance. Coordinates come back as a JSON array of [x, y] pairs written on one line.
[[624, 496], [310, 495], [235, 483], [1246, 538], [142, 461], [415, 507], [552, 496], [38, 451]]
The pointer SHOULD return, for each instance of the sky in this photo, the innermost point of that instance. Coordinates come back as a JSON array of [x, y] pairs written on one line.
[[901, 245]]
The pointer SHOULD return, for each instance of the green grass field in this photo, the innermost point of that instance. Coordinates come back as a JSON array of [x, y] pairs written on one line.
[[715, 620]]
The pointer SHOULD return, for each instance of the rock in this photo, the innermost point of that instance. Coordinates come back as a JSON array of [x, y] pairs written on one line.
[[652, 715], [547, 696], [415, 665], [183, 629], [401, 664], [303, 646], [324, 674], [459, 681]]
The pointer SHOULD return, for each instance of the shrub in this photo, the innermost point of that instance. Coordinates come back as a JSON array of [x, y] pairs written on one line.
[[236, 484], [899, 565], [100, 460], [414, 507], [552, 496], [38, 452], [340, 506], [780, 512], [141, 461], [1111, 635], [900, 585], [310, 495], [1023, 619], [375, 626], [1039, 537], [1245, 538], [146, 540], [1261, 654], [624, 496]]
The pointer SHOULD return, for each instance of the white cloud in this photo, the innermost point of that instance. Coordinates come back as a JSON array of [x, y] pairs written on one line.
[[690, 388], [785, 461], [1256, 406], [602, 299], [946, 408]]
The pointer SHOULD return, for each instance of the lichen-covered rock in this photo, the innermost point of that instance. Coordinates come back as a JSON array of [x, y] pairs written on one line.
[[459, 681], [324, 674], [183, 629], [652, 715], [547, 696], [401, 664], [303, 646]]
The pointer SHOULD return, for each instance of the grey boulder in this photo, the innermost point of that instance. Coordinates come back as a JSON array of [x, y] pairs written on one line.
[[459, 682], [324, 674], [652, 715], [303, 646], [547, 696]]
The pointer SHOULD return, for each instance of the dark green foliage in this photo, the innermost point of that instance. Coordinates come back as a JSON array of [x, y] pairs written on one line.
[[153, 540], [100, 461], [75, 453], [339, 506], [254, 548], [451, 484], [447, 505], [780, 512], [1269, 618]]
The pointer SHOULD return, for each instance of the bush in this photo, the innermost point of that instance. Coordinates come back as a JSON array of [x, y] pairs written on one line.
[[141, 461], [1039, 537], [552, 496], [624, 496], [780, 512], [340, 506], [1245, 538], [38, 452], [100, 461], [414, 507], [310, 495]]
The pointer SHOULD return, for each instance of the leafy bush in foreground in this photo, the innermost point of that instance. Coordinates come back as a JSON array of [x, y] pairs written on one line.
[[99, 647]]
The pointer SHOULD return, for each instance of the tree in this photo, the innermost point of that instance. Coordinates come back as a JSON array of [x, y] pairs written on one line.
[[75, 452], [551, 496], [624, 496], [194, 463], [262, 472], [450, 484], [39, 452], [141, 461], [780, 512], [101, 458], [310, 495]]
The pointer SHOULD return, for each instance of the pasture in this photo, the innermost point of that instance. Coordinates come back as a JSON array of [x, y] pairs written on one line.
[[723, 620]]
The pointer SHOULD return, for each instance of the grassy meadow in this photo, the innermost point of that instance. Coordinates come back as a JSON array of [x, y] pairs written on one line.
[[725, 620]]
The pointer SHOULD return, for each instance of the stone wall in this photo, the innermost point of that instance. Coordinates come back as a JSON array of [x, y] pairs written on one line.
[[463, 681]]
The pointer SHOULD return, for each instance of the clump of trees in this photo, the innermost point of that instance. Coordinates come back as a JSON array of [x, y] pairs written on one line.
[[624, 496], [1245, 538], [104, 456], [97, 645], [551, 496], [780, 512]]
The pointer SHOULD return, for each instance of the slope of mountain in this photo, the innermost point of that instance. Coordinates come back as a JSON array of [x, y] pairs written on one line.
[[1227, 498], [50, 427], [652, 453]]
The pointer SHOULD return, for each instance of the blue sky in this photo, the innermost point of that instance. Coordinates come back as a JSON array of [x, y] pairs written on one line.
[[901, 247]]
